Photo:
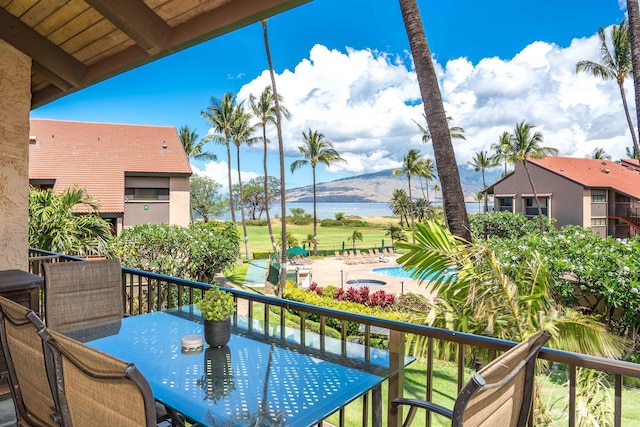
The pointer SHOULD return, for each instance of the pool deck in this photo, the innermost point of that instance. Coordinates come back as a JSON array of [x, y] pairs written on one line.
[[332, 271]]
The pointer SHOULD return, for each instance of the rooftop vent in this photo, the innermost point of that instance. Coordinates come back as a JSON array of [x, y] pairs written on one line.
[[604, 163], [32, 139], [605, 170], [164, 145]]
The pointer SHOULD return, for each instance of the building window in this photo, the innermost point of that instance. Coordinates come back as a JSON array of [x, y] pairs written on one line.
[[146, 193], [598, 222], [598, 198], [620, 198]]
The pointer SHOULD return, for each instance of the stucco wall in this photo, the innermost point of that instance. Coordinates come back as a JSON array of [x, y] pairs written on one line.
[[15, 104], [180, 201], [566, 196]]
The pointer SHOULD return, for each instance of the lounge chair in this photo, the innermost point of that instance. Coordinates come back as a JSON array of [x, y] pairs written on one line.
[[32, 388], [338, 255], [500, 394]]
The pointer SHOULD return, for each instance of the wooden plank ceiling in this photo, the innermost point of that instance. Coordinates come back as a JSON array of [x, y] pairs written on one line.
[[76, 43]]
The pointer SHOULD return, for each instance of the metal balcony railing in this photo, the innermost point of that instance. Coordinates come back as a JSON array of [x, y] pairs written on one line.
[[146, 292]]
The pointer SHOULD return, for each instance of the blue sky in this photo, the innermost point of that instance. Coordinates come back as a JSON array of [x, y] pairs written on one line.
[[344, 69]]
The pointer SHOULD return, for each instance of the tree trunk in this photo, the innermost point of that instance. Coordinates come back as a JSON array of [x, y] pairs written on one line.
[[283, 202], [447, 167], [535, 195], [231, 206], [484, 187], [315, 217], [266, 190], [411, 209], [634, 35], [626, 112], [244, 222]]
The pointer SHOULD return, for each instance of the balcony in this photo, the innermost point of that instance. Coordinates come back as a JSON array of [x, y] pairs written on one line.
[[533, 211], [147, 292]]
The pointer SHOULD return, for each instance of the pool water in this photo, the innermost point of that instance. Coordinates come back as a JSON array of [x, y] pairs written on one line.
[[401, 272]]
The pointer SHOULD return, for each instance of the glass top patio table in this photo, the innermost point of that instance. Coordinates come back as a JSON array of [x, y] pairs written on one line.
[[291, 378]]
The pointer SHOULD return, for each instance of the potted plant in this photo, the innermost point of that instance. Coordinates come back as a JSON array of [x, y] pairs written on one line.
[[217, 306]]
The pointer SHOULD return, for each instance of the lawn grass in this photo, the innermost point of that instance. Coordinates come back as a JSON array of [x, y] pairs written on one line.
[[329, 238]]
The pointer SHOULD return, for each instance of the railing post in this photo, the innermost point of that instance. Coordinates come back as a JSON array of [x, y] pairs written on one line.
[[396, 382]]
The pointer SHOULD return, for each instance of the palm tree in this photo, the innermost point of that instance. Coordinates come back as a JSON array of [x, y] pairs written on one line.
[[453, 197], [356, 235], [500, 148], [614, 64], [599, 153], [396, 233], [427, 171], [634, 39], [524, 145], [283, 190], [456, 131], [56, 224], [400, 205], [264, 109], [411, 165], [316, 149], [242, 133], [480, 162], [631, 152], [194, 150], [220, 115]]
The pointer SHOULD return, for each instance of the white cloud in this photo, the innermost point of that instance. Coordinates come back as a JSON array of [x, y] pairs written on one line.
[[218, 171], [364, 102]]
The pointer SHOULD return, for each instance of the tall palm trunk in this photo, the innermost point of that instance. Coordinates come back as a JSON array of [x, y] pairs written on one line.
[[231, 205], [266, 190], [244, 222], [634, 137], [315, 215], [411, 208], [535, 195], [453, 198], [634, 36], [283, 202], [484, 186]]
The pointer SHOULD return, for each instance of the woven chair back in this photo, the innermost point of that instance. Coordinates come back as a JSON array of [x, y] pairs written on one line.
[[500, 394], [96, 389], [31, 388], [78, 294]]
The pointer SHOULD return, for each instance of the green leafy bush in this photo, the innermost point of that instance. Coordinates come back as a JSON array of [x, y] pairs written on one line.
[[506, 225], [197, 252]]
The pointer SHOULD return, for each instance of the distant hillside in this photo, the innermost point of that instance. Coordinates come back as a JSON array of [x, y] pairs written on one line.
[[379, 186]]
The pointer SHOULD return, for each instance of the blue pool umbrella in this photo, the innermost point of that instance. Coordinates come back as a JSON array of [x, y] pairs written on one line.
[[343, 246], [382, 243], [295, 250]]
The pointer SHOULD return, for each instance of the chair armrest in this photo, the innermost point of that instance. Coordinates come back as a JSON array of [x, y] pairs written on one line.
[[423, 404]]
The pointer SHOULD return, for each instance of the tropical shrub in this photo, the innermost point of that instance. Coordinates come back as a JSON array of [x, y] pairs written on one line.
[[67, 223], [197, 252], [506, 225]]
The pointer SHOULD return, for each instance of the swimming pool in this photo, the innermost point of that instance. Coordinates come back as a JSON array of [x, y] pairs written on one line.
[[401, 272]]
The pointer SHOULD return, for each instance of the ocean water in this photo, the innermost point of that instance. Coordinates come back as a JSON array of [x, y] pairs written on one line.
[[364, 210]]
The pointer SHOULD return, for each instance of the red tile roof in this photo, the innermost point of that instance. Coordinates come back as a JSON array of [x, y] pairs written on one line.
[[594, 173], [96, 156]]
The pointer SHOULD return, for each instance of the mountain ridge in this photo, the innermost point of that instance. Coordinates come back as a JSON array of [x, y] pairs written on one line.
[[379, 186]]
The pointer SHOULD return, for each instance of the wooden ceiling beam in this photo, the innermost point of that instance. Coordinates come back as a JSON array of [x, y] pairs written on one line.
[[136, 20], [228, 17], [42, 51]]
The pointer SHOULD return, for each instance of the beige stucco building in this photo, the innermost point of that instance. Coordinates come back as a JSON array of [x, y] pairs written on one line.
[[599, 194], [139, 174]]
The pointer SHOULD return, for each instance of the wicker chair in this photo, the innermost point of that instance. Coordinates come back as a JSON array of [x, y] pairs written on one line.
[[32, 388], [500, 394], [96, 389], [78, 294]]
